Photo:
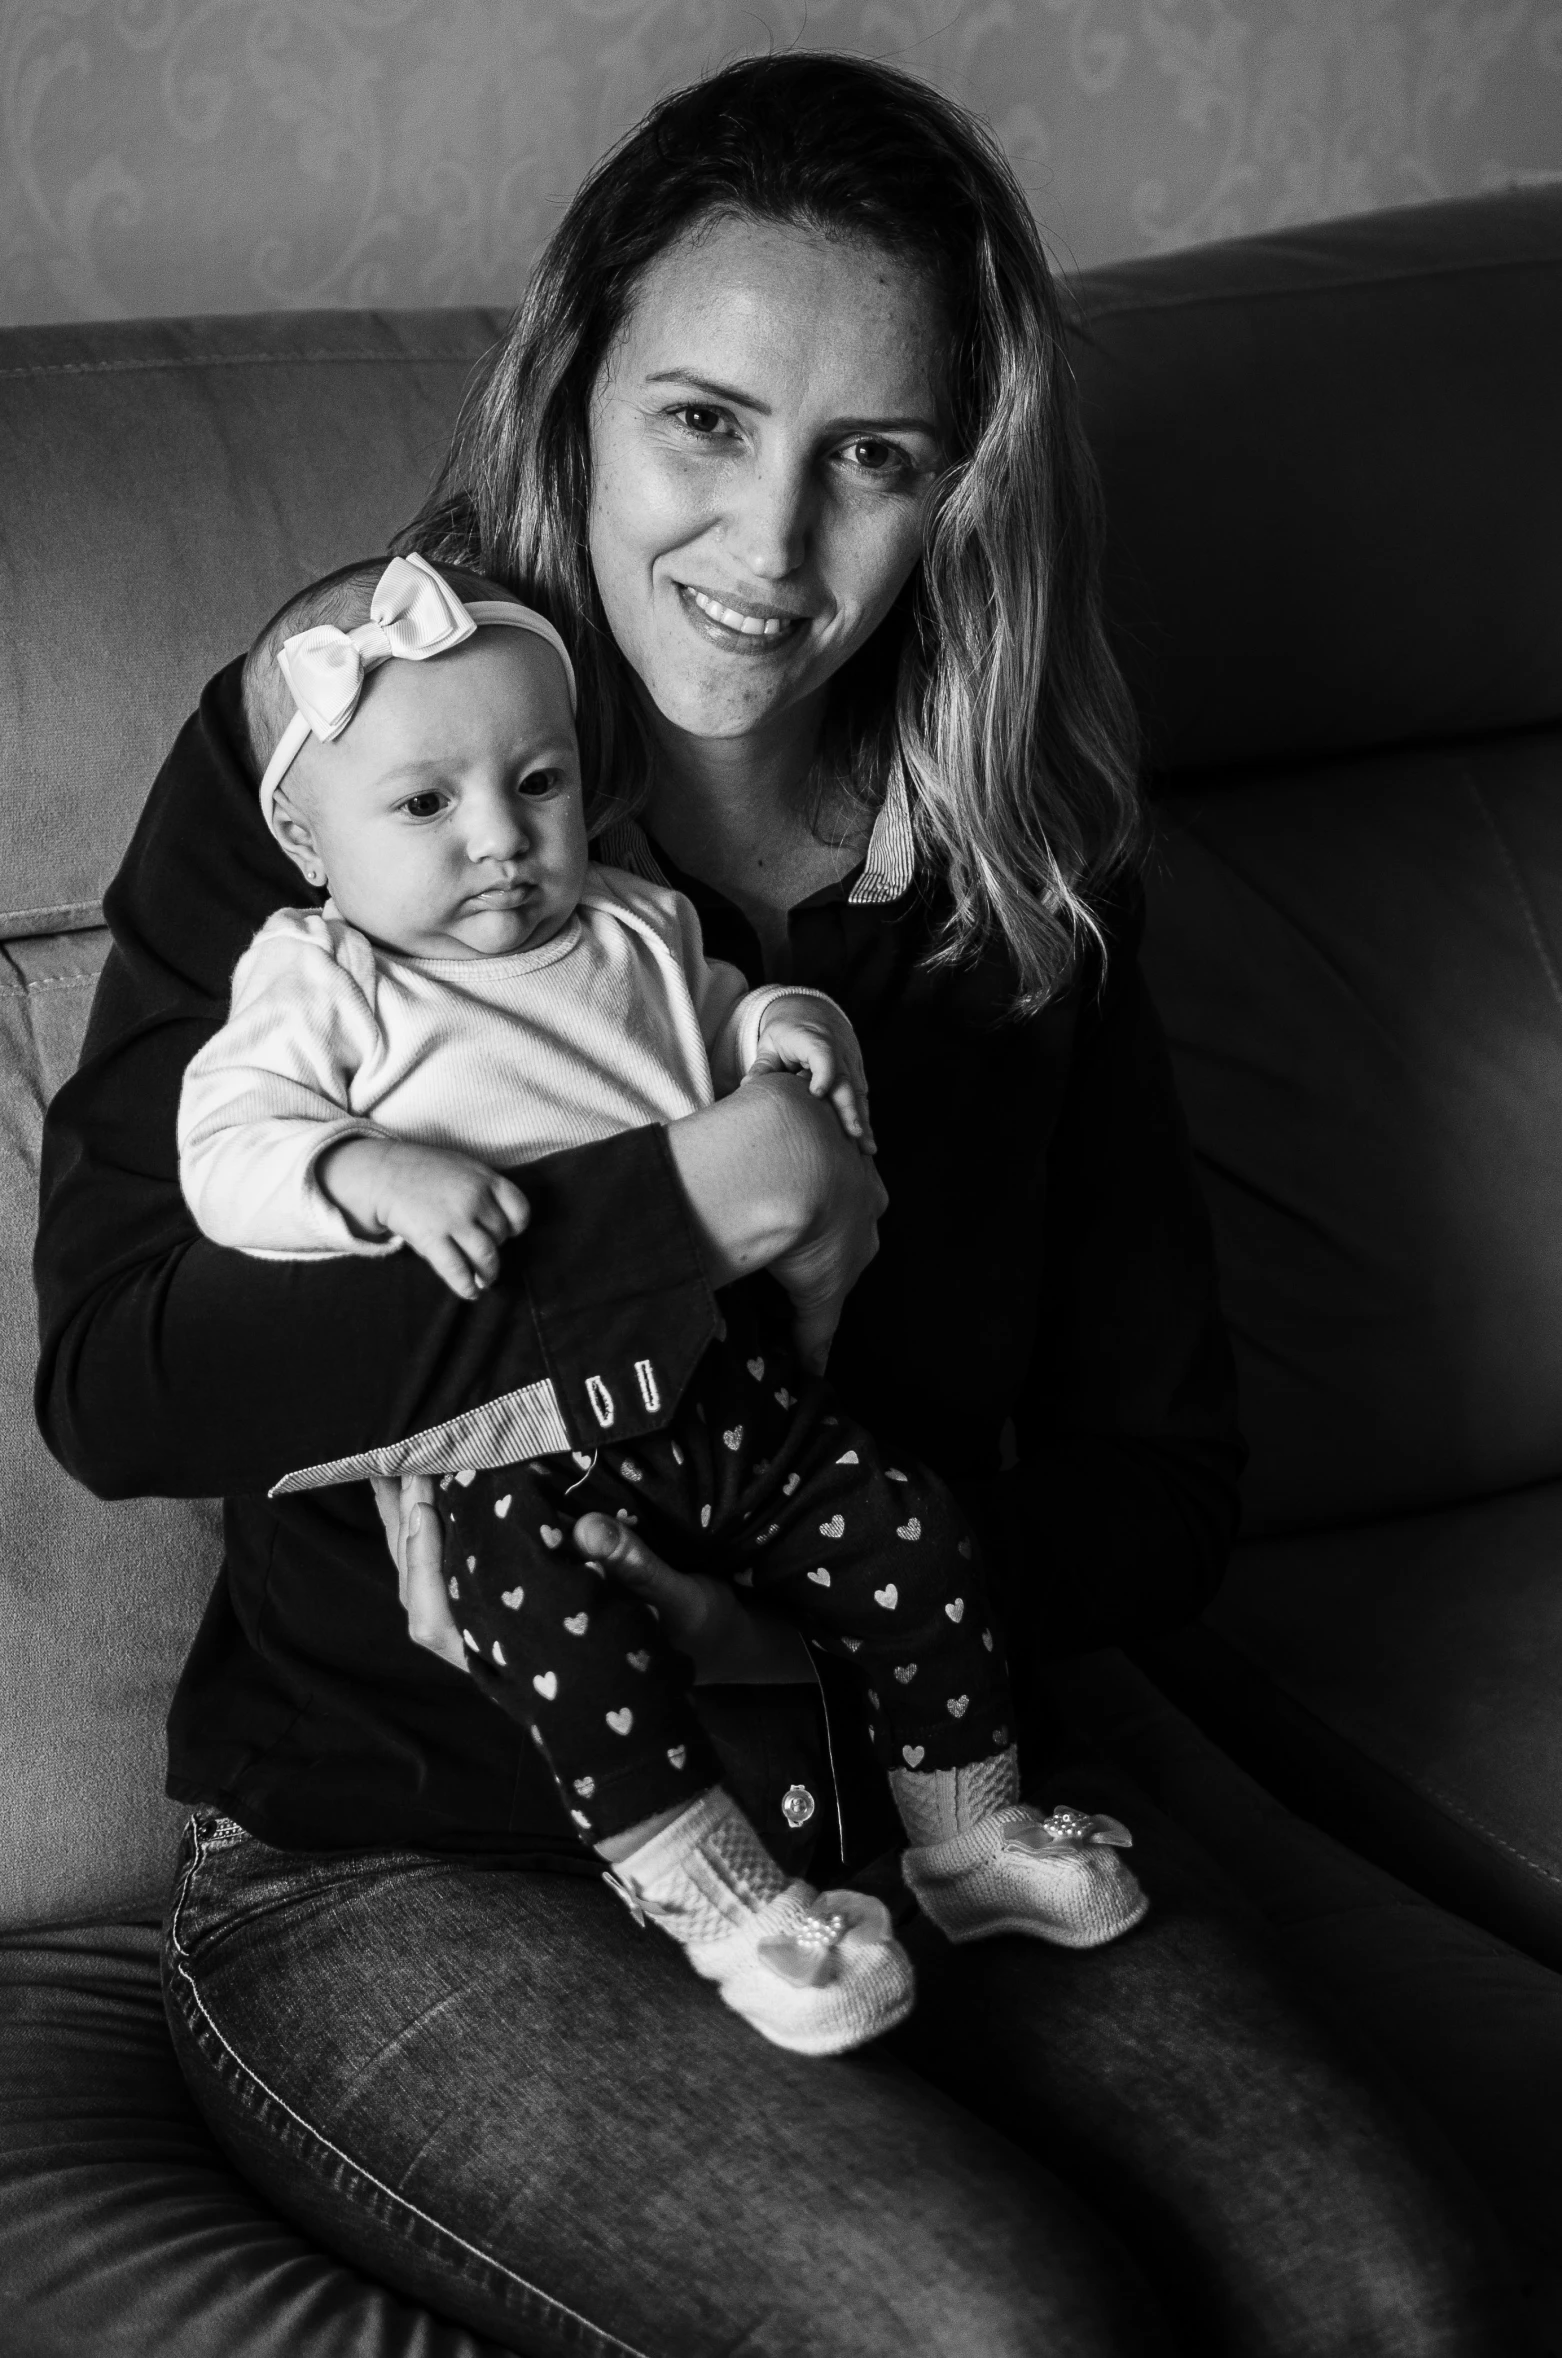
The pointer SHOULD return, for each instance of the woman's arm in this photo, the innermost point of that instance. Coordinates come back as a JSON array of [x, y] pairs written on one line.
[[1118, 1518], [171, 1365]]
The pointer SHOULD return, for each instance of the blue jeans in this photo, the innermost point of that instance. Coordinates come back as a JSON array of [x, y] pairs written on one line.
[[487, 2088]]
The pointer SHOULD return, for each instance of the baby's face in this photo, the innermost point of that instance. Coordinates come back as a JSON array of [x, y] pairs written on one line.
[[447, 816]]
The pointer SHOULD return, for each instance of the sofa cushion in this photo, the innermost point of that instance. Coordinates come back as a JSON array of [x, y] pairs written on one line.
[[1398, 1683], [123, 2230], [168, 483], [97, 1602], [1334, 479], [1360, 970]]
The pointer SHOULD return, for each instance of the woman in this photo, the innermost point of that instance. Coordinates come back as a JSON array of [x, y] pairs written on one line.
[[783, 438]]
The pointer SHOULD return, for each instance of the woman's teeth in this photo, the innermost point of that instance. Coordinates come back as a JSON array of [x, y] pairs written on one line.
[[749, 624]]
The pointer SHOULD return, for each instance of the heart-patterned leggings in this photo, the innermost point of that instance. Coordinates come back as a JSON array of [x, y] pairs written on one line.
[[760, 1478]]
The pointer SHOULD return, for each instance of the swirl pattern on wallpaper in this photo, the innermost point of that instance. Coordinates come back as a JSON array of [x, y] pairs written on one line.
[[194, 155]]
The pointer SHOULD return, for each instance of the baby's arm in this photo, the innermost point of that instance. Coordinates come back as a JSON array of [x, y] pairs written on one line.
[[273, 1160], [451, 1209], [777, 1028], [804, 1032]]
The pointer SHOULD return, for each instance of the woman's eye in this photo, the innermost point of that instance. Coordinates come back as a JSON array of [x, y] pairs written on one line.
[[869, 456], [701, 420], [427, 805]]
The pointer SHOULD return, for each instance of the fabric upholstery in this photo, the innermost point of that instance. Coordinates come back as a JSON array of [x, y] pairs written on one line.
[[167, 484], [1358, 967], [1398, 1682]]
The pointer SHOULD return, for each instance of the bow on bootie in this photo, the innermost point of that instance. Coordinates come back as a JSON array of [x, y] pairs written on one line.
[[413, 614], [1062, 1829], [810, 1952]]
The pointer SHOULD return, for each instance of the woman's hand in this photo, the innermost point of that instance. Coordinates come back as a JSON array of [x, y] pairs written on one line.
[[728, 1642], [417, 1545], [773, 1182]]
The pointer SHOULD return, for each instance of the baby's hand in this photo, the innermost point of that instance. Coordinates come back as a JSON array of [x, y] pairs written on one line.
[[809, 1036], [449, 1207]]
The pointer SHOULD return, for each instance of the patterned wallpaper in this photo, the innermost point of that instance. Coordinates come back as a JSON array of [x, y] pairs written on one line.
[[216, 155]]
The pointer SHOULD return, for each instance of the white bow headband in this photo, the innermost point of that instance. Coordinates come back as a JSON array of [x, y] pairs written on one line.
[[413, 614]]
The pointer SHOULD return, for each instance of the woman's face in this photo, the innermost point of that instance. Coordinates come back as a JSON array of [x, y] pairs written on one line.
[[765, 438]]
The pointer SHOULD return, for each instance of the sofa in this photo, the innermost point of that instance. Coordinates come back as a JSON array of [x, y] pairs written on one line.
[[1332, 462]]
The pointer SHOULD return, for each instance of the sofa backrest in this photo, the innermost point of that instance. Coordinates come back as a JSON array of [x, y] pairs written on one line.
[[167, 484], [1333, 482], [1333, 471], [1333, 477]]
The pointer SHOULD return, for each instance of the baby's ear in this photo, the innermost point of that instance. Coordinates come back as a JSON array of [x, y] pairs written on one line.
[[296, 836]]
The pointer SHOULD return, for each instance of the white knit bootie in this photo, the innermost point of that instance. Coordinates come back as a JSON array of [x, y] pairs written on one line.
[[983, 1862], [817, 1975]]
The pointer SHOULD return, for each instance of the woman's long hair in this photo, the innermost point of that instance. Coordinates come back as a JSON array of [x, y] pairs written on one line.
[[990, 686]]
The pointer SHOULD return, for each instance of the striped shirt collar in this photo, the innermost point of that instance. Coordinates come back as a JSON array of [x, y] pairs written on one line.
[[885, 874]]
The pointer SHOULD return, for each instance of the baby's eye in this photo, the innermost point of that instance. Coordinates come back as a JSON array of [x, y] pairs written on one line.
[[426, 805], [537, 783]]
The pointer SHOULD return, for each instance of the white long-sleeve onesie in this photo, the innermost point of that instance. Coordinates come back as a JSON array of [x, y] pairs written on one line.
[[618, 1021]]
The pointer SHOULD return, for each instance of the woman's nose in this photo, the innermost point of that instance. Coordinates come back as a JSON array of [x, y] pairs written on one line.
[[771, 520]]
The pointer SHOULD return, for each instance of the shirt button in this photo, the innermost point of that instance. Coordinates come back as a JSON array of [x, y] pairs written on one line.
[[797, 1806]]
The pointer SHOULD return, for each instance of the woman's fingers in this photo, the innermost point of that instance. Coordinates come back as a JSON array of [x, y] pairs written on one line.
[[430, 1622], [395, 1496], [387, 1499], [673, 1596]]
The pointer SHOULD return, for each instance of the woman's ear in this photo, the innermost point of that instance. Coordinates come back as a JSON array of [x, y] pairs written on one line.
[[296, 836]]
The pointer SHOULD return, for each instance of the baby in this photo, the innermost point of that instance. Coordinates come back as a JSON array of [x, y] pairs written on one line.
[[477, 993]]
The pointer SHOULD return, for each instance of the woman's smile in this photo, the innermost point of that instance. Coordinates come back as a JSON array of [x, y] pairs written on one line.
[[758, 630], [739, 618]]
